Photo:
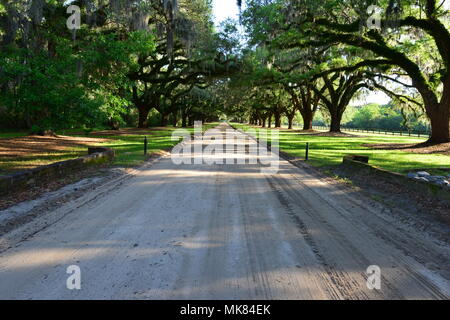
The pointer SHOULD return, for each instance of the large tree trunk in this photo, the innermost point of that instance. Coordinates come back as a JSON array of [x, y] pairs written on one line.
[[277, 120], [269, 125], [164, 119], [143, 116], [174, 119], [263, 122], [335, 125], [440, 122], [184, 120], [308, 118], [291, 121]]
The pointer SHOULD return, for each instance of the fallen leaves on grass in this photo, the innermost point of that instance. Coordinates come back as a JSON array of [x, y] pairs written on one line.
[[28, 152]]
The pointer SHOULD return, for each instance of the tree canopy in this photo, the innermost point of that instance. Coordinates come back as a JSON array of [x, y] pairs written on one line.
[[125, 56], [349, 48]]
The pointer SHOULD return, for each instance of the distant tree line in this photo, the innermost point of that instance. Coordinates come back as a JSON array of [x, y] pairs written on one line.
[[380, 117]]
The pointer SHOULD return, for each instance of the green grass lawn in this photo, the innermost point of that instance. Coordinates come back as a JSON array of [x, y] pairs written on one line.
[[8, 135], [129, 147], [12, 165], [329, 151]]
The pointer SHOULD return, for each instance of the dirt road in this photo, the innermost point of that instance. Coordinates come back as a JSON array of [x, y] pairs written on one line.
[[222, 231]]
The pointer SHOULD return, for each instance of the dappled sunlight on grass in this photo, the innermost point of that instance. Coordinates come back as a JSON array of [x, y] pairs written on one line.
[[329, 151], [8, 135], [129, 148], [127, 143], [33, 160]]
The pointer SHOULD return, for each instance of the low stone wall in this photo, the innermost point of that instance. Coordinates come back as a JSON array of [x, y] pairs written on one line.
[[441, 192], [23, 180]]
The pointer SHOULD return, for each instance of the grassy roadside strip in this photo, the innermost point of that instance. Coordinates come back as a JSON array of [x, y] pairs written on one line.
[[127, 143], [327, 152], [8, 135], [130, 148]]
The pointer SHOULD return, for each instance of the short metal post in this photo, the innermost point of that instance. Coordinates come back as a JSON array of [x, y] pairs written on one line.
[[145, 146], [307, 152]]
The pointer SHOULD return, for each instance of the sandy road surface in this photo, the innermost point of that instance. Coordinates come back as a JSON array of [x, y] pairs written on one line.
[[221, 232]]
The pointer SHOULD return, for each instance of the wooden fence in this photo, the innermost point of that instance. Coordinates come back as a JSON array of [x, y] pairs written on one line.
[[418, 134]]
